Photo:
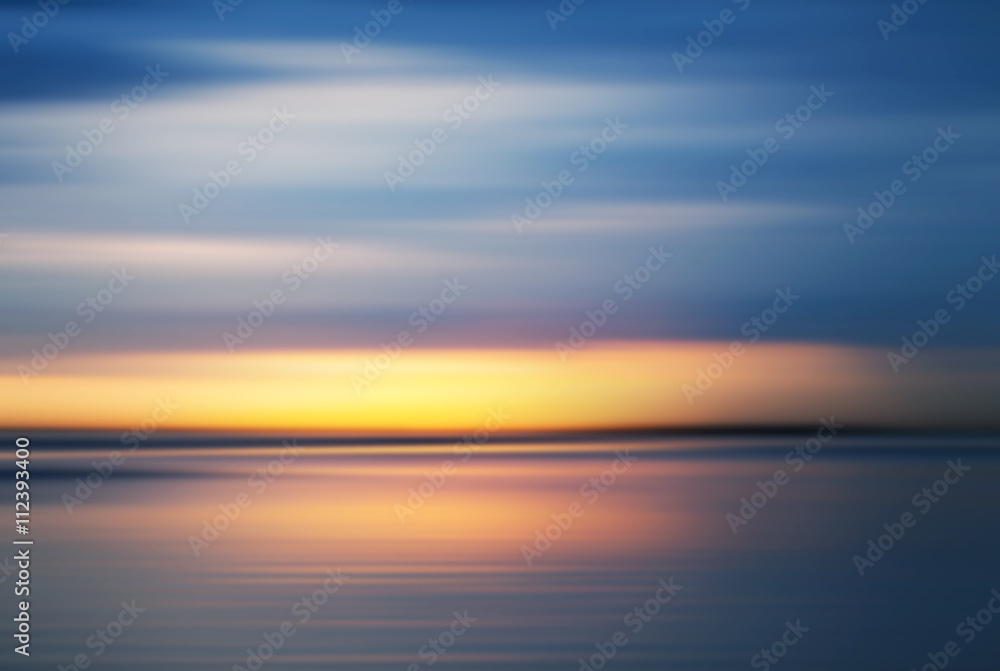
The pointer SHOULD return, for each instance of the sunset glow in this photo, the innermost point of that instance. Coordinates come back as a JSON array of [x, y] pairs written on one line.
[[603, 385]]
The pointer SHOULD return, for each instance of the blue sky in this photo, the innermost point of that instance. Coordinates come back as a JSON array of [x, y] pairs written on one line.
[[657, 184]]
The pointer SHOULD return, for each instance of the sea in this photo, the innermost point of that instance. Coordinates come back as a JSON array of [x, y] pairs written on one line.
[[701, 552]]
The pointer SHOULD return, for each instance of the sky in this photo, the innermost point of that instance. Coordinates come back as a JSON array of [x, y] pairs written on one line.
[[484, 177]]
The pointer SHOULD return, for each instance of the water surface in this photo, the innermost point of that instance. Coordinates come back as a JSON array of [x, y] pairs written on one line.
[[326, 526]]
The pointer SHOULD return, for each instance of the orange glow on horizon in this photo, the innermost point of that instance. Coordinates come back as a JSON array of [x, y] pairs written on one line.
[[604, 385]]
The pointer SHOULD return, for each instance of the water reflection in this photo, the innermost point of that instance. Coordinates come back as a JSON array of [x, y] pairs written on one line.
[[269, 547]]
